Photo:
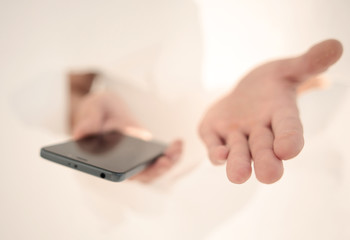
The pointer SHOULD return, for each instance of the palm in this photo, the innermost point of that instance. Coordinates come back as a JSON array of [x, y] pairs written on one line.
[[248, 106], [259, 119]]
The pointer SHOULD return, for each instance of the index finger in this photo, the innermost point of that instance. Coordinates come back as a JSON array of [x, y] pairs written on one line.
[[88, 121]]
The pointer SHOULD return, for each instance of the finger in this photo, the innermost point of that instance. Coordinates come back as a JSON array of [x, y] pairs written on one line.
[[89, 121], [288, 132], [238, 166], [218, 154], [162, 164], [217, 151], [131, 129], [268, 168], [316, 60], [158, 168], [174, 150]]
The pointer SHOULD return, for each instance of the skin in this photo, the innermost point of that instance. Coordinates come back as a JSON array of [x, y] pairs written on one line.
[[92, 113], [258, 123]]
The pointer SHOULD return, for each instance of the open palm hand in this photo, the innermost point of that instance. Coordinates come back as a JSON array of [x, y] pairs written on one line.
[[259, 119]]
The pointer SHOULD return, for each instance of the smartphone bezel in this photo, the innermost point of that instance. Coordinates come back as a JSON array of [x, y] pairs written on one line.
[[68, 161]]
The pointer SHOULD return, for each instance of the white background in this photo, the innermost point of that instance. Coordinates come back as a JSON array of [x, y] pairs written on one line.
[[179, 51]]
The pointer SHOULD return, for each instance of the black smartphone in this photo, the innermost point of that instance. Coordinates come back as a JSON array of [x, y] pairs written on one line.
[[113, 155]]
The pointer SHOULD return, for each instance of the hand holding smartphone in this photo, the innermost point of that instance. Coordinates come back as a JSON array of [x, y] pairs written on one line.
[[112, 156]]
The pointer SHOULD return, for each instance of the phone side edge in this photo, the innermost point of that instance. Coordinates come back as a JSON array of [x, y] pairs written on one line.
[[83, 167]]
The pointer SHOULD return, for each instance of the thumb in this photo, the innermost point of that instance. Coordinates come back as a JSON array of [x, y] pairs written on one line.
[[88, 123], [316, 60]]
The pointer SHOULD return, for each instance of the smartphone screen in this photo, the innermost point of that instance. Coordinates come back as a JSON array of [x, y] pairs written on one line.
[[113, 151]]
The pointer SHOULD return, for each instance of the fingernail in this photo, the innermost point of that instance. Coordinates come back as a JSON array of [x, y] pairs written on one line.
[[221, 161]]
